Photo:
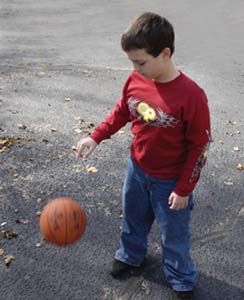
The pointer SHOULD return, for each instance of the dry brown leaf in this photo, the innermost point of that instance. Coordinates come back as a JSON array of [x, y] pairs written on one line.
[[8, 259], [1, 251], [6, 142], [1, 129], [53, 129], [22, 221], [39, 200], [91, 169], [38, 213], [122, 132], [44, 67], [90, 125], [239, 167], [22, 126], [228, 183], [9, 234], [231, 122], [78, 130]]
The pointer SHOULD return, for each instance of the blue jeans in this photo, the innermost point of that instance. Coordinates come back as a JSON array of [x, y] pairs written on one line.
[[145, 198]]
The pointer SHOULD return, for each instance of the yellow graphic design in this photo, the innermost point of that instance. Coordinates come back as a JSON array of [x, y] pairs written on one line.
[[148, 113]]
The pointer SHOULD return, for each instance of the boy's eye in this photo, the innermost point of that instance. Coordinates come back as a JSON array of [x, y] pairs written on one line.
[[141, 64]]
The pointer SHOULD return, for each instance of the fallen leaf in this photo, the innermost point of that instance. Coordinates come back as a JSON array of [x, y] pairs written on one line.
[[220, 142], [6, 142], [22, 221], [38, 213], [1, 252], [8, 259], [236, 149], [22, 126], [39, 200], [91, 169], [53, 129], [228, 183], [9, 234], [44, 67], [3, 224], [1, 129], [78, 130], [74, 148], [67, 99], [90, 125], [122, 132], [239, 167], [231, 122], [38, 245]]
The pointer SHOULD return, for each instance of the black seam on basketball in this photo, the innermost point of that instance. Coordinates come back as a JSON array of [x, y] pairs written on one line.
[[50, 228], [65, 220]]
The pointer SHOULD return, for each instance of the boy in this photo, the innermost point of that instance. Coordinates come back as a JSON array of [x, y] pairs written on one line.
[[171, 126]]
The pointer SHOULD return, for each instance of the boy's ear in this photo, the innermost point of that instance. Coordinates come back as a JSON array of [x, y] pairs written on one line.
[[166, 53]]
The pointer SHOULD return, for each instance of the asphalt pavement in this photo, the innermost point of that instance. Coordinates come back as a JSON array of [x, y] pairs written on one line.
[[61, 72]]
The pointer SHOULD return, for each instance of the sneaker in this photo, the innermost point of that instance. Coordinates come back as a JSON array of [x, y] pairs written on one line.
[[187, 295], [120, 268]]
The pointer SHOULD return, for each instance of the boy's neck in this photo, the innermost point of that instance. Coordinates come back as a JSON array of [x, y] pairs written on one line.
[[170, 73]]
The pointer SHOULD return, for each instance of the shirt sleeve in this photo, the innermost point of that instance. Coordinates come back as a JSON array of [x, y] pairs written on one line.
[[198, 138], [119, 116]]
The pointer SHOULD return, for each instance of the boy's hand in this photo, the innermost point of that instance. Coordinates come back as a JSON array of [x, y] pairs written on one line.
[[177, 202], [85, 147]]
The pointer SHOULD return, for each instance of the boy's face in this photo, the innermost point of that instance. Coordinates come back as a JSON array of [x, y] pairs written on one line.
[[147, 65]]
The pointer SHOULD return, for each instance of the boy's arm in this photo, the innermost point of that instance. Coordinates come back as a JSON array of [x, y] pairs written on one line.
[[112, 123], [198, 138]]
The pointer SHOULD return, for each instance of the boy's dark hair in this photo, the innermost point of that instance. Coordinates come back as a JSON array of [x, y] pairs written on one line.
[[150, 32]]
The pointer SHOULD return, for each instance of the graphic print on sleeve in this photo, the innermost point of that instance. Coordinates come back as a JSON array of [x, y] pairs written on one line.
[[201, 160]]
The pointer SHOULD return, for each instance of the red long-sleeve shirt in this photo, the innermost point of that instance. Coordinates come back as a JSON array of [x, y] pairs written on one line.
[[173, 144]]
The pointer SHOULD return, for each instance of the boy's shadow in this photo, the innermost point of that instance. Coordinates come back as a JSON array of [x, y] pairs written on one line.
[[207, 288]]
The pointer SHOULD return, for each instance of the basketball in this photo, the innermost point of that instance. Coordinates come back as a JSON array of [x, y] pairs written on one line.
[[62, 221]]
